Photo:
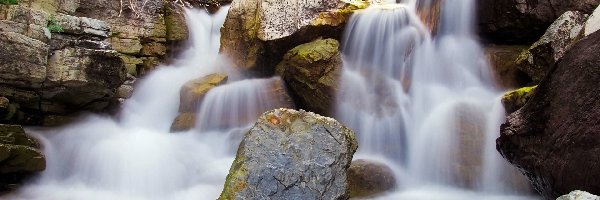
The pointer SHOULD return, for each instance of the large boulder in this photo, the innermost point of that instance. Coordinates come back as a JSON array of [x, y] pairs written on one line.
[[369, 178], [19, 156], [312, 72], [292, 154], [521, 21], [559, 37], [257, 33], [555, 138], [579, 195]]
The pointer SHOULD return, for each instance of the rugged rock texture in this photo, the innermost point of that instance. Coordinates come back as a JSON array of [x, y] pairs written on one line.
[[369, 178], [58, 73], [19, 156], [516, 99], [142, 39], [579, 195], [557, 132], [312, 72], [257, 33], [523, 21], [502, 59], [559, 38], [292, 154]]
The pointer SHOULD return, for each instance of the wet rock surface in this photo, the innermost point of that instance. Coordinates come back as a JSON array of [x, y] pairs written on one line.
[[554, 138], [292, 154], [19, 156], [369, 178], [312, 72]]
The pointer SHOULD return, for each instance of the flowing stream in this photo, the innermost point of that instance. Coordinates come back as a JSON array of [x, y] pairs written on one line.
[[422, 103], [426, 91]]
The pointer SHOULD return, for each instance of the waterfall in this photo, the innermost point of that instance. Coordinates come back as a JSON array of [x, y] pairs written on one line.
[[133, 156], [425, 101]]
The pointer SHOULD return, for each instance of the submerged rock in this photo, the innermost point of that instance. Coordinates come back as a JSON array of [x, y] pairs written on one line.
[[292, 154], [559, 38], [368, 178], [257, 33], [312, 72], [183, 122], [555, 138], [579, 195], [514, 100], [193, 91]]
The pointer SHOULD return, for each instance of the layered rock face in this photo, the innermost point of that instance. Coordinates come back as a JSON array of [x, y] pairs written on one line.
[[143, 38], [19, 156], [257, 33], [57, 65], [554, 138], [292, 154], [520, 21], [312, 72]]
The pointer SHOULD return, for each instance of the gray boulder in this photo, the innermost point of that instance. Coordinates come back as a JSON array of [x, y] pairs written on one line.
[[579, 195], [292, 154]]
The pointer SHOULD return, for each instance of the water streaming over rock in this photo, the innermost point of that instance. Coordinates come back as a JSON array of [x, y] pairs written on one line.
[[134, 157], [425, 102]]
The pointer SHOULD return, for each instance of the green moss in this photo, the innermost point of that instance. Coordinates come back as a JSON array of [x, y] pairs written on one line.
[[53, 25], [236, 179], [516, 99], [9, 2], [319, 50]]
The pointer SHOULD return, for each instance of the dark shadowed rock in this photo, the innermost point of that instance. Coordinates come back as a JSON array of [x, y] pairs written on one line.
[[523, 21], [292, 154], [555, 138], [312, 72], [368, 178], [502, 59], [19, 156]]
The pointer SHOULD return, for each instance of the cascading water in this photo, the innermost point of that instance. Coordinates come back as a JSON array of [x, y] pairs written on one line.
[[425, 103], [135, 157]]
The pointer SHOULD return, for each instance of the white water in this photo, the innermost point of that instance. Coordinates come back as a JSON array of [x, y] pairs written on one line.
[[135, 157], [402, 92], [426, 104]]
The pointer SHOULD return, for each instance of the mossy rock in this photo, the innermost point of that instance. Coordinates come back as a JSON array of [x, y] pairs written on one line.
[[183, 122], [312, 71], [193, 92], [516, 99]]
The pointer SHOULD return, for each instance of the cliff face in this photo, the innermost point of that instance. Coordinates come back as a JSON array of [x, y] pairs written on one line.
[[60, 57]]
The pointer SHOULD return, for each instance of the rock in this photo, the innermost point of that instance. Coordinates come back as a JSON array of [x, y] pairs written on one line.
[[79, 78], [368, 178], [312, 72], [521, 21], [193, 91], [22, 60], [516, 99], [502, 60], [292, 154], [557, 131], [561, 35], [183, 122], [19, 156], [125, 91], [593, 23], [4, 106], [579, 195], [257, 33]]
